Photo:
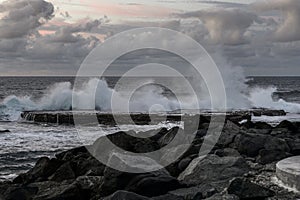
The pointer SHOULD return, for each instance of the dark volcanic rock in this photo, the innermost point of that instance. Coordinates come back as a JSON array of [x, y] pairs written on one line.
[[213, 168], [64, 172], [268, 156], [196, 192], [294, 146], [242, 159], [227, 152], [247, 190], [260, 112], [20, 193], [287, 124], [168, 137], [5, 131], [152, 184], [125, 195], [148, 184], [58, 191], [70, 154], [128, 143], [223, 197], [250, 144], [40, 172]]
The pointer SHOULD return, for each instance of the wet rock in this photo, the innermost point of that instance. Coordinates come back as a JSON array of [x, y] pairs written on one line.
[[152, 184], [4, 131], [70, 154], [262, 125], [213, 168], [40, 172], [273, 143], [266, 112], [20, 193], [197, 192], [227, 152], [89, 185], [168, 197], [228, 134], [127, 142], [55, 191], [119, 180], [87, 166], [245, 189], [268, 156], [122, 195], [287, 124], [223, 197], [64, 172], [250, 144], [168, 137], [294, 146]]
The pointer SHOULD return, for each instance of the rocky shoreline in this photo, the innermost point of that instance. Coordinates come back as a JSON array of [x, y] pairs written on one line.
[[241, 165]]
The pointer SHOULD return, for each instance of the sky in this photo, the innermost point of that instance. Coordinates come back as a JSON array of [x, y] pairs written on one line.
[[53, 37]]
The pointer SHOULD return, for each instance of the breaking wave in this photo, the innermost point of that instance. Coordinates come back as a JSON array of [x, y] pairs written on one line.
[[59, 97]]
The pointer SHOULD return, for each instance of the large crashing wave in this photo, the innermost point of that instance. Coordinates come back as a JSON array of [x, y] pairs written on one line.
[[263, 98], [59, 97]]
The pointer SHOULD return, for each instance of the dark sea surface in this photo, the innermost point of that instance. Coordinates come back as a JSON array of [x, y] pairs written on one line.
[[26, 142], [288, 88]]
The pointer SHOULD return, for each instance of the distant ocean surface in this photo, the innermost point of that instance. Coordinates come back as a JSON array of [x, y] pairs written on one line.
[[26, 142]]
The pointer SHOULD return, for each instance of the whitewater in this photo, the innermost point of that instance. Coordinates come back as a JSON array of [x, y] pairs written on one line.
[[58, 97]]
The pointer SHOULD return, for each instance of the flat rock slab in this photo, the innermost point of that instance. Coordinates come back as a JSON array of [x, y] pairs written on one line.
[[288, 171]]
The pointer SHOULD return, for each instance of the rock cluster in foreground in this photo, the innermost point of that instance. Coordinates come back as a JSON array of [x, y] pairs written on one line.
[[240, 166]]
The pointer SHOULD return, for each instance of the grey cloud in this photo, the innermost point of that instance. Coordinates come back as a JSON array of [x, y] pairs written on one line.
[[23, 16], [21, 45], [288, 30], [226, 26]]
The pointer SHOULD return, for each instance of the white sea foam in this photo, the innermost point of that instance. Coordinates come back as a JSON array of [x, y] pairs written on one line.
[[151, 98]]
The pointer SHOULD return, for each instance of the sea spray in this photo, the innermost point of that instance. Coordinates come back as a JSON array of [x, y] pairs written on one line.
[[59, 97], [263, 98]]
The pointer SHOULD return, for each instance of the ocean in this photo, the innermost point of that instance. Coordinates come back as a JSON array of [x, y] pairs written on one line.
[[26, 142]]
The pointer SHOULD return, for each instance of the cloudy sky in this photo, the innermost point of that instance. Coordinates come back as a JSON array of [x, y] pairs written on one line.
[[52, 37]]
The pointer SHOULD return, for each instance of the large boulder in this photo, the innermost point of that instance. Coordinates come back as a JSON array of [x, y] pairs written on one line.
[[152, 183], [65, 190], [40, 172], [250, 144], [125, 195], [223, 197], [288, 125], [274, 149], [213, 168], [196, 192], [168, 137], [126, 141], [19, 193], [245, 189], [294, 146], [4, 131], [230, 131], [64, 172], [268, 156]]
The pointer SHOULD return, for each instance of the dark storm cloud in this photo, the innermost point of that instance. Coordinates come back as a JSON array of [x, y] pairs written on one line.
[[227, 26], [22, 47], [23, 17], [259, 37], [288, 28]]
